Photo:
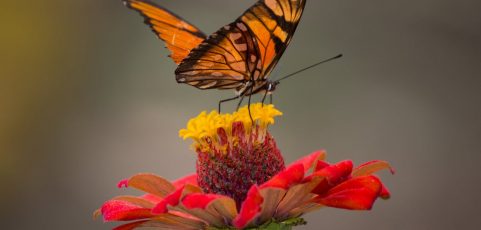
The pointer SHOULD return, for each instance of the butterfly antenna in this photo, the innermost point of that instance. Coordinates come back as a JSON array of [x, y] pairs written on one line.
[[309, 67]]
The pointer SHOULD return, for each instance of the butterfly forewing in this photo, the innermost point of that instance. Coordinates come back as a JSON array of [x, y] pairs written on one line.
[[273, 23], [179, 35], [245, 51]]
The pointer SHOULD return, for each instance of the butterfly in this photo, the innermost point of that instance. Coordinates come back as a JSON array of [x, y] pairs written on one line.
[[238, 56]]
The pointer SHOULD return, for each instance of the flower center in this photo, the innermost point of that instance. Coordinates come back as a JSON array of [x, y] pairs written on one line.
[[234, 153]]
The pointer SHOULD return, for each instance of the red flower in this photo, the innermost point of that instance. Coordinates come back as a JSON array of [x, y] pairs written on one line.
[[241, 182], [289, 194]]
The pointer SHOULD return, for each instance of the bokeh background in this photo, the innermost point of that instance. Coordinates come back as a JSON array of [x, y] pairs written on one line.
[[88, 97]]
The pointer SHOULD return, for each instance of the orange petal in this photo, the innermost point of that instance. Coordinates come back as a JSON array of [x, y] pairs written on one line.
[[139, 201], [371, 167], [130, 226], [151, 183], [272, 197], [305, 208], [225, 207], [152, 198], [215, 209], [184, 221], [97, 213], [164, 221], [295, 197]]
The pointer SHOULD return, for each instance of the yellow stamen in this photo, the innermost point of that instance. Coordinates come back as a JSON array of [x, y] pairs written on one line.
[[203, 128]]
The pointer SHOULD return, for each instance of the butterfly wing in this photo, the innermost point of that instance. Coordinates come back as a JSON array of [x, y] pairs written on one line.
[[179, 35], [221, 61], [273, 22], [244, 51]]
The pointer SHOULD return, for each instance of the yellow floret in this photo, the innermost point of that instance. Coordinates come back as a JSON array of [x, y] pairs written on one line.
[[205, 125]]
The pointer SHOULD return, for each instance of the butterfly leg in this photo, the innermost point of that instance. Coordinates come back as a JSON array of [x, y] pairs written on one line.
[[264, 98], [240, 101], [249, 104], [243, 94], [270, 97], [226, 100]]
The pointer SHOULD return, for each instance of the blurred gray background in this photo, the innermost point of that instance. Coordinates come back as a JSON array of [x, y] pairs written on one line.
[[88, 97]]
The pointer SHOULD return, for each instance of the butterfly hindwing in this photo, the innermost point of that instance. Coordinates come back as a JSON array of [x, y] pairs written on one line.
[[224, 60], [179, 35], [245, 50]]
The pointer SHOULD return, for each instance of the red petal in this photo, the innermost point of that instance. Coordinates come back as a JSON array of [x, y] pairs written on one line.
[[285, 179], [123, 183], [251, 208], [320, 165], [190, 179], [332, 175], [371, 167], [358, 193], [310, 159], [119, 210], [171, 199], [385, 194], [139, 201], [199, 200]]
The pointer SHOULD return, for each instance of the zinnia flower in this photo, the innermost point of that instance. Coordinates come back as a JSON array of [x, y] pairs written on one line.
[[242, 182]]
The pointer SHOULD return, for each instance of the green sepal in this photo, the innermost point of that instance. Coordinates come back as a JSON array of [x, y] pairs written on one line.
[[272, 225]]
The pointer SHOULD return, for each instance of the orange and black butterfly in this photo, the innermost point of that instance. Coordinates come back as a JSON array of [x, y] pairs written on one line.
[[238, 56]]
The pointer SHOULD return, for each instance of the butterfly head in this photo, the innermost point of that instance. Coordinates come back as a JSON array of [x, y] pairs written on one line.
[[271, 86]]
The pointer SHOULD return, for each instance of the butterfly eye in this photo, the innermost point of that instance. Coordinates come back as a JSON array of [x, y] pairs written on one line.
[[271, 87]]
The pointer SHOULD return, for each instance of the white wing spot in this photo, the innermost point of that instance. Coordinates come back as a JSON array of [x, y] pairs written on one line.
[[235, 36], [191, 73], [241, 47], [208, 85], [242, 26]]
